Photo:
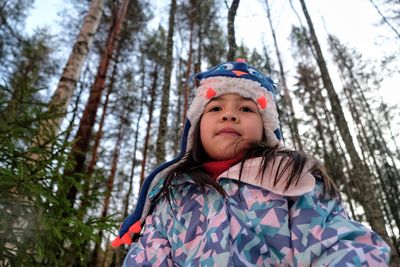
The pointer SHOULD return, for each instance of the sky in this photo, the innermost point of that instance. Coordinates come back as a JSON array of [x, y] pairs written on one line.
[[355, 22]]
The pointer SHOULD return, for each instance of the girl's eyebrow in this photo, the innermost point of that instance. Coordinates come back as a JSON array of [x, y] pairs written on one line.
[[221, 98]]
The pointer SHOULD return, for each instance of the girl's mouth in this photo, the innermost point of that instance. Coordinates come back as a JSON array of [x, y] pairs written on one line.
[[228, 131]]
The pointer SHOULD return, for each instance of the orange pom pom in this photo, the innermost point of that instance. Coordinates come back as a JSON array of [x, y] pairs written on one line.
[[262, 101], [210, 93], [135, 228], [116, 242], [126, 239]]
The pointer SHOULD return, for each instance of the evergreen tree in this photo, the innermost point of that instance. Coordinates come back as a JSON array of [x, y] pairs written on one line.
[[12, 22], [360, 80], [33, 230], [361, 172]]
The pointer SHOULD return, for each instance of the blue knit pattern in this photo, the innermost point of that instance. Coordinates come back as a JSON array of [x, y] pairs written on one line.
[[228, 69]]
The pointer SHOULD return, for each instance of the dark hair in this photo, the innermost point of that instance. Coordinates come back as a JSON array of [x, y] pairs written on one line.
[[192, 163]]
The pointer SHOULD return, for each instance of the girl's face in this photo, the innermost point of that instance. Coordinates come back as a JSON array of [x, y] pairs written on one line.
[[229, 123]]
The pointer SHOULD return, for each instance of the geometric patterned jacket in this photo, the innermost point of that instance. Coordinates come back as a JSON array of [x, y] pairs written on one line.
[[256, 224]]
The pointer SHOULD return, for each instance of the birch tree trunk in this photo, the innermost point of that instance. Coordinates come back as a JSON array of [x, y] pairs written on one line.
[[162, 129], [363, 176], [80, 148], [72, 70], [231, 30]]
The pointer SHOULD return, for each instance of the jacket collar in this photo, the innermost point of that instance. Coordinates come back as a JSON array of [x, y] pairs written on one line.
[[251, 175]]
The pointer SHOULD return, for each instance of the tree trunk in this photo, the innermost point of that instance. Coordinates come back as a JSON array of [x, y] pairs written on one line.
[[80, 148], [197, 66], [99, 136], [293, 125], [134, 161], [116, 253], [110, 184], [376, 144], [151, 109], [178, 116], [67, 84], [345, 64], [231, 30], [75, 106], [133, 164], [363, 176], [339, 153], [162, 129], [188, 71]]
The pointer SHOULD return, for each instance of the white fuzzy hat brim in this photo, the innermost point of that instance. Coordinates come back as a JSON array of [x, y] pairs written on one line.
[[240, 86]]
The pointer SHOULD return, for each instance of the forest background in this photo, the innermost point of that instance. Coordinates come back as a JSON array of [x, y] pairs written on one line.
[[88, 109]]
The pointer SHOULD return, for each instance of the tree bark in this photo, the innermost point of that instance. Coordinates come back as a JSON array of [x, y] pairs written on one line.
[[70, 76], [231, 30], [363, 176], [81, 146], [162, 129]]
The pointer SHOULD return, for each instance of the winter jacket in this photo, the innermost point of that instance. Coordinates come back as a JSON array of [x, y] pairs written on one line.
[[256, 224]]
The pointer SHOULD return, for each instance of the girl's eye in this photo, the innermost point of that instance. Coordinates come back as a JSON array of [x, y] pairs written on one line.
[[246, 109], [213, 109]]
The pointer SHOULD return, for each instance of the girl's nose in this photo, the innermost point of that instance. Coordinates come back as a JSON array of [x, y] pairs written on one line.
[[229, 117]]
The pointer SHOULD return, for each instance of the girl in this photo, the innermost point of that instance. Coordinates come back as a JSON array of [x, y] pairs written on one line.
[[236, 197]]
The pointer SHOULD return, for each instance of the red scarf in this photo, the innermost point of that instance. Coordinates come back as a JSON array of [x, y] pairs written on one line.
[[215, 168]]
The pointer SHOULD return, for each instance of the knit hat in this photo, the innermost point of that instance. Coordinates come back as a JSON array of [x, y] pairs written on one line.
[[230, 77]]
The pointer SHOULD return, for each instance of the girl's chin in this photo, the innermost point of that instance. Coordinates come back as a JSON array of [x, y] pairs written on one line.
[[226, 155], [228, 149]]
